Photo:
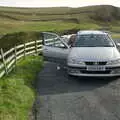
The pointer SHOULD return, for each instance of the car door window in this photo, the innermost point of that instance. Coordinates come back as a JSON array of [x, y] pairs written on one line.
[[52, 40]]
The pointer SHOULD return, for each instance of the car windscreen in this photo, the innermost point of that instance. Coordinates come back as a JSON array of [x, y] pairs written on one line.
[[93, 40]]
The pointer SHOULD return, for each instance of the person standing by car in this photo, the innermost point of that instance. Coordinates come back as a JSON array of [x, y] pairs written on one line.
[[71, 40]]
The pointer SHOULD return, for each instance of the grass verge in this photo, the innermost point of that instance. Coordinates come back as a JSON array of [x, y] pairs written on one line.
[[16, 90]]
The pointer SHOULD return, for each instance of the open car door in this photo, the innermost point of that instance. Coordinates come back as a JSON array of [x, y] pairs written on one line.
[[54, 48]]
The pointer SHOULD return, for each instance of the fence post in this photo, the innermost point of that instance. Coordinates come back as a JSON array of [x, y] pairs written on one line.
[[36, 47], [15, 50], [4, 62], [24, 50]]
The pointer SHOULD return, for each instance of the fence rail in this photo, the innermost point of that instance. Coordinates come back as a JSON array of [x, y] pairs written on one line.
[[9, 58]]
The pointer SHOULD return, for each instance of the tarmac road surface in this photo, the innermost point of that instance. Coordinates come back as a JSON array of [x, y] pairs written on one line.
[[61, 97]]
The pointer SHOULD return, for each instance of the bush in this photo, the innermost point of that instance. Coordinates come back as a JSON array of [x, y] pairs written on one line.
[[10, 40]]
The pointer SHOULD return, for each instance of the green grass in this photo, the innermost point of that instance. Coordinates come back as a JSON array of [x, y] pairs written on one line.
[[54, 19], [115, 28], [50, 12], [25, 24], [16, 90], [31, 31], [116, 35], [11, 27]]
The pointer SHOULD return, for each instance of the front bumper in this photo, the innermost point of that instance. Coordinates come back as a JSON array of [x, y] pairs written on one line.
[[82, 71]]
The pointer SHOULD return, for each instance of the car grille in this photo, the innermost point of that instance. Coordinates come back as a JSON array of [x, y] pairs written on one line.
[[95, 72], [95, 63]]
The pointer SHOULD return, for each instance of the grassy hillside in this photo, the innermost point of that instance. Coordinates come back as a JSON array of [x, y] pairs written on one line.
[[25, 24], [55, 13], [58, 18]]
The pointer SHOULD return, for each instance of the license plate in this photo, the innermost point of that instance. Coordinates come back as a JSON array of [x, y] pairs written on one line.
[[95, 68]]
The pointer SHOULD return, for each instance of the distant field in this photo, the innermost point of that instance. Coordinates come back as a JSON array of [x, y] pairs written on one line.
[[116, 36], [58, 18], [29, 14], [54, 26], [11, 27], [19, 25]]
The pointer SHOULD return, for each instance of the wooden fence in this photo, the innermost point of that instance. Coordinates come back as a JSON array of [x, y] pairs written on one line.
[[9, 58]]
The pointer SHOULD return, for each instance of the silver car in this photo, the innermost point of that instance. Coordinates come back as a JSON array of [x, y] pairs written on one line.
[[93, 53]]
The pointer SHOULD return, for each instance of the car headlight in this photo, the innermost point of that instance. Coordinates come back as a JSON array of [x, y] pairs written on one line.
[[113, 62], [75, 61]]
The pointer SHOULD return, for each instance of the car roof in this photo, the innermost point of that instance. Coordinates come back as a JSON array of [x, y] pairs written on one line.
[[91, 32]]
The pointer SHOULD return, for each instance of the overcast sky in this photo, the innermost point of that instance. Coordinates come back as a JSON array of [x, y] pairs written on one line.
[[53, 3]]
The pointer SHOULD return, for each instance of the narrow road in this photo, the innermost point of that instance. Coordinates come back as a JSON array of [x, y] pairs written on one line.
[[61, 97]]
